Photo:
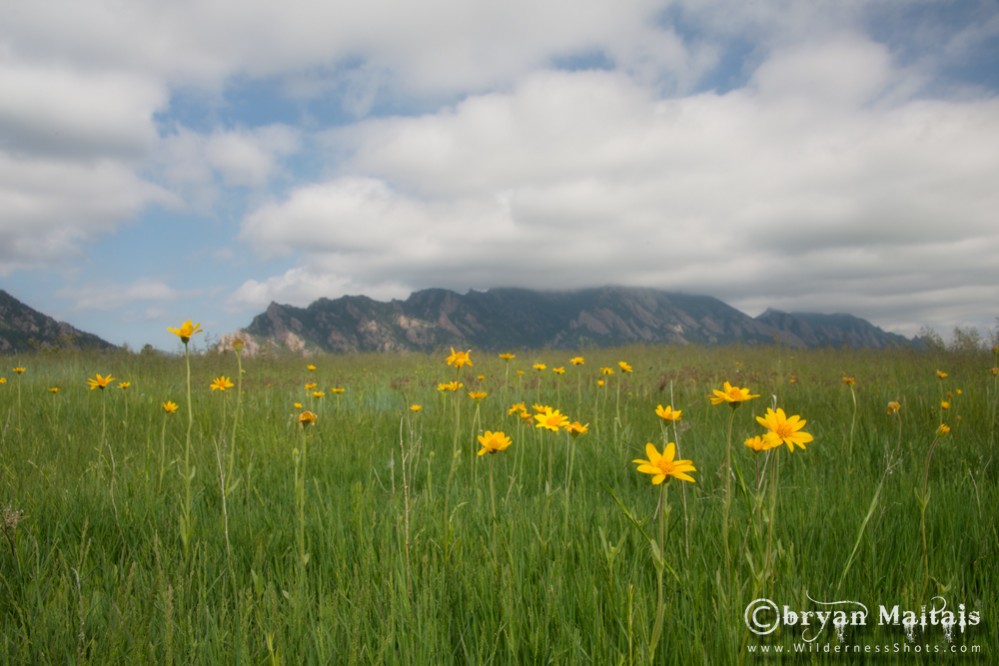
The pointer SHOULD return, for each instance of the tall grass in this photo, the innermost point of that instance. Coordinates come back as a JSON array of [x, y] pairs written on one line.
[[385, 547]]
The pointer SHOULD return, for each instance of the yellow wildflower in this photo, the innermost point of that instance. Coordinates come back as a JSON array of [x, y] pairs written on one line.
[[99, 382], [221, 384], [786, 430], [492, 442], [667, 413], [733, 395], [551, 419], [186, 330], [662, 465], [460, 359]]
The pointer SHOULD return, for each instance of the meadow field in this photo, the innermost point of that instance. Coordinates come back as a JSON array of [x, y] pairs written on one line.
[[335, 509]]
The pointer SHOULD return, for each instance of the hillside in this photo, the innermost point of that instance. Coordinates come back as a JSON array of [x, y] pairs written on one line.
[[521, 318], [24, 329]]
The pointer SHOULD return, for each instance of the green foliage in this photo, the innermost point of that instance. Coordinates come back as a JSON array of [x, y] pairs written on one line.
[[406, 563]]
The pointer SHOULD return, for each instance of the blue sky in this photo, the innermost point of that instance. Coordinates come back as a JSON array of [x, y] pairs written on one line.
[[200, 159]]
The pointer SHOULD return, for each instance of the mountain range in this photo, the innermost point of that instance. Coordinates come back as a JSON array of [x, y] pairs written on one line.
[[509, 318], [23, 329]]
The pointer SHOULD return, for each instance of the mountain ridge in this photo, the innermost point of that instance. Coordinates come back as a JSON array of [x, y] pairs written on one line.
[[508, 318], [24, 329]]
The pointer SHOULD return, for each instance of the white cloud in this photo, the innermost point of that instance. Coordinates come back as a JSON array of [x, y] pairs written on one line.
[[199, 165], [48, 208], [58, 110], [105, 297], [774, 141], [250, 157], [587, 178], [301, 286]]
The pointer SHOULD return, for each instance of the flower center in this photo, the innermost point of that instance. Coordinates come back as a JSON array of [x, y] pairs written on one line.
[[783, 430]]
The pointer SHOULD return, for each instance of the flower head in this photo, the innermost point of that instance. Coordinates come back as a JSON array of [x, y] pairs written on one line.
[[99, 382], [577, 360], [733, 395], [941, 374], [540, 367], [170, 407], [337, 390], [450, 386], [662, 465], [310, 367], [576, 428], [53, 390], [124, 385], [415, 408], [624, 367], [507, 356], [18, 370], [517, 408], [667, 413], [493, 442], [186, 330], [3, 380], [221, 384], [477, 395], [943, 429], [786, 430], [893, 407], [460, 359], [307, 418], [606, 371], [762, 443], [849, 381], [559, 371], [551, 419]]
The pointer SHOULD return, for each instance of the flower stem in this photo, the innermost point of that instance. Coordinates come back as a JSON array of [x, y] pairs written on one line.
[[924, 501], [186, 528], [727, 507], [657, 628]]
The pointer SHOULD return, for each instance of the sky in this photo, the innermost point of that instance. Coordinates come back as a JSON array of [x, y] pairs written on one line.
[[199, 159]]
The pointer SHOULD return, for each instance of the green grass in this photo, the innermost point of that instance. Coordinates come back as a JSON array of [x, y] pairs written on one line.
[[405, 562]]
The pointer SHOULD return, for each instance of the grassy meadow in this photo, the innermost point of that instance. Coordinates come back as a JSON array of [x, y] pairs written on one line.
[[234, 531]]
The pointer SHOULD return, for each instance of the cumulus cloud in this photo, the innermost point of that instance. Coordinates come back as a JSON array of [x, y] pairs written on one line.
[[49, 207], [199, 165], [58, 110], [819, 155], [801, 190], [105, 296]]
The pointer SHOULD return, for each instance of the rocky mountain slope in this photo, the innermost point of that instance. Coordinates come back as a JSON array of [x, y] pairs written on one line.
[[23, 329], [500, 319]]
